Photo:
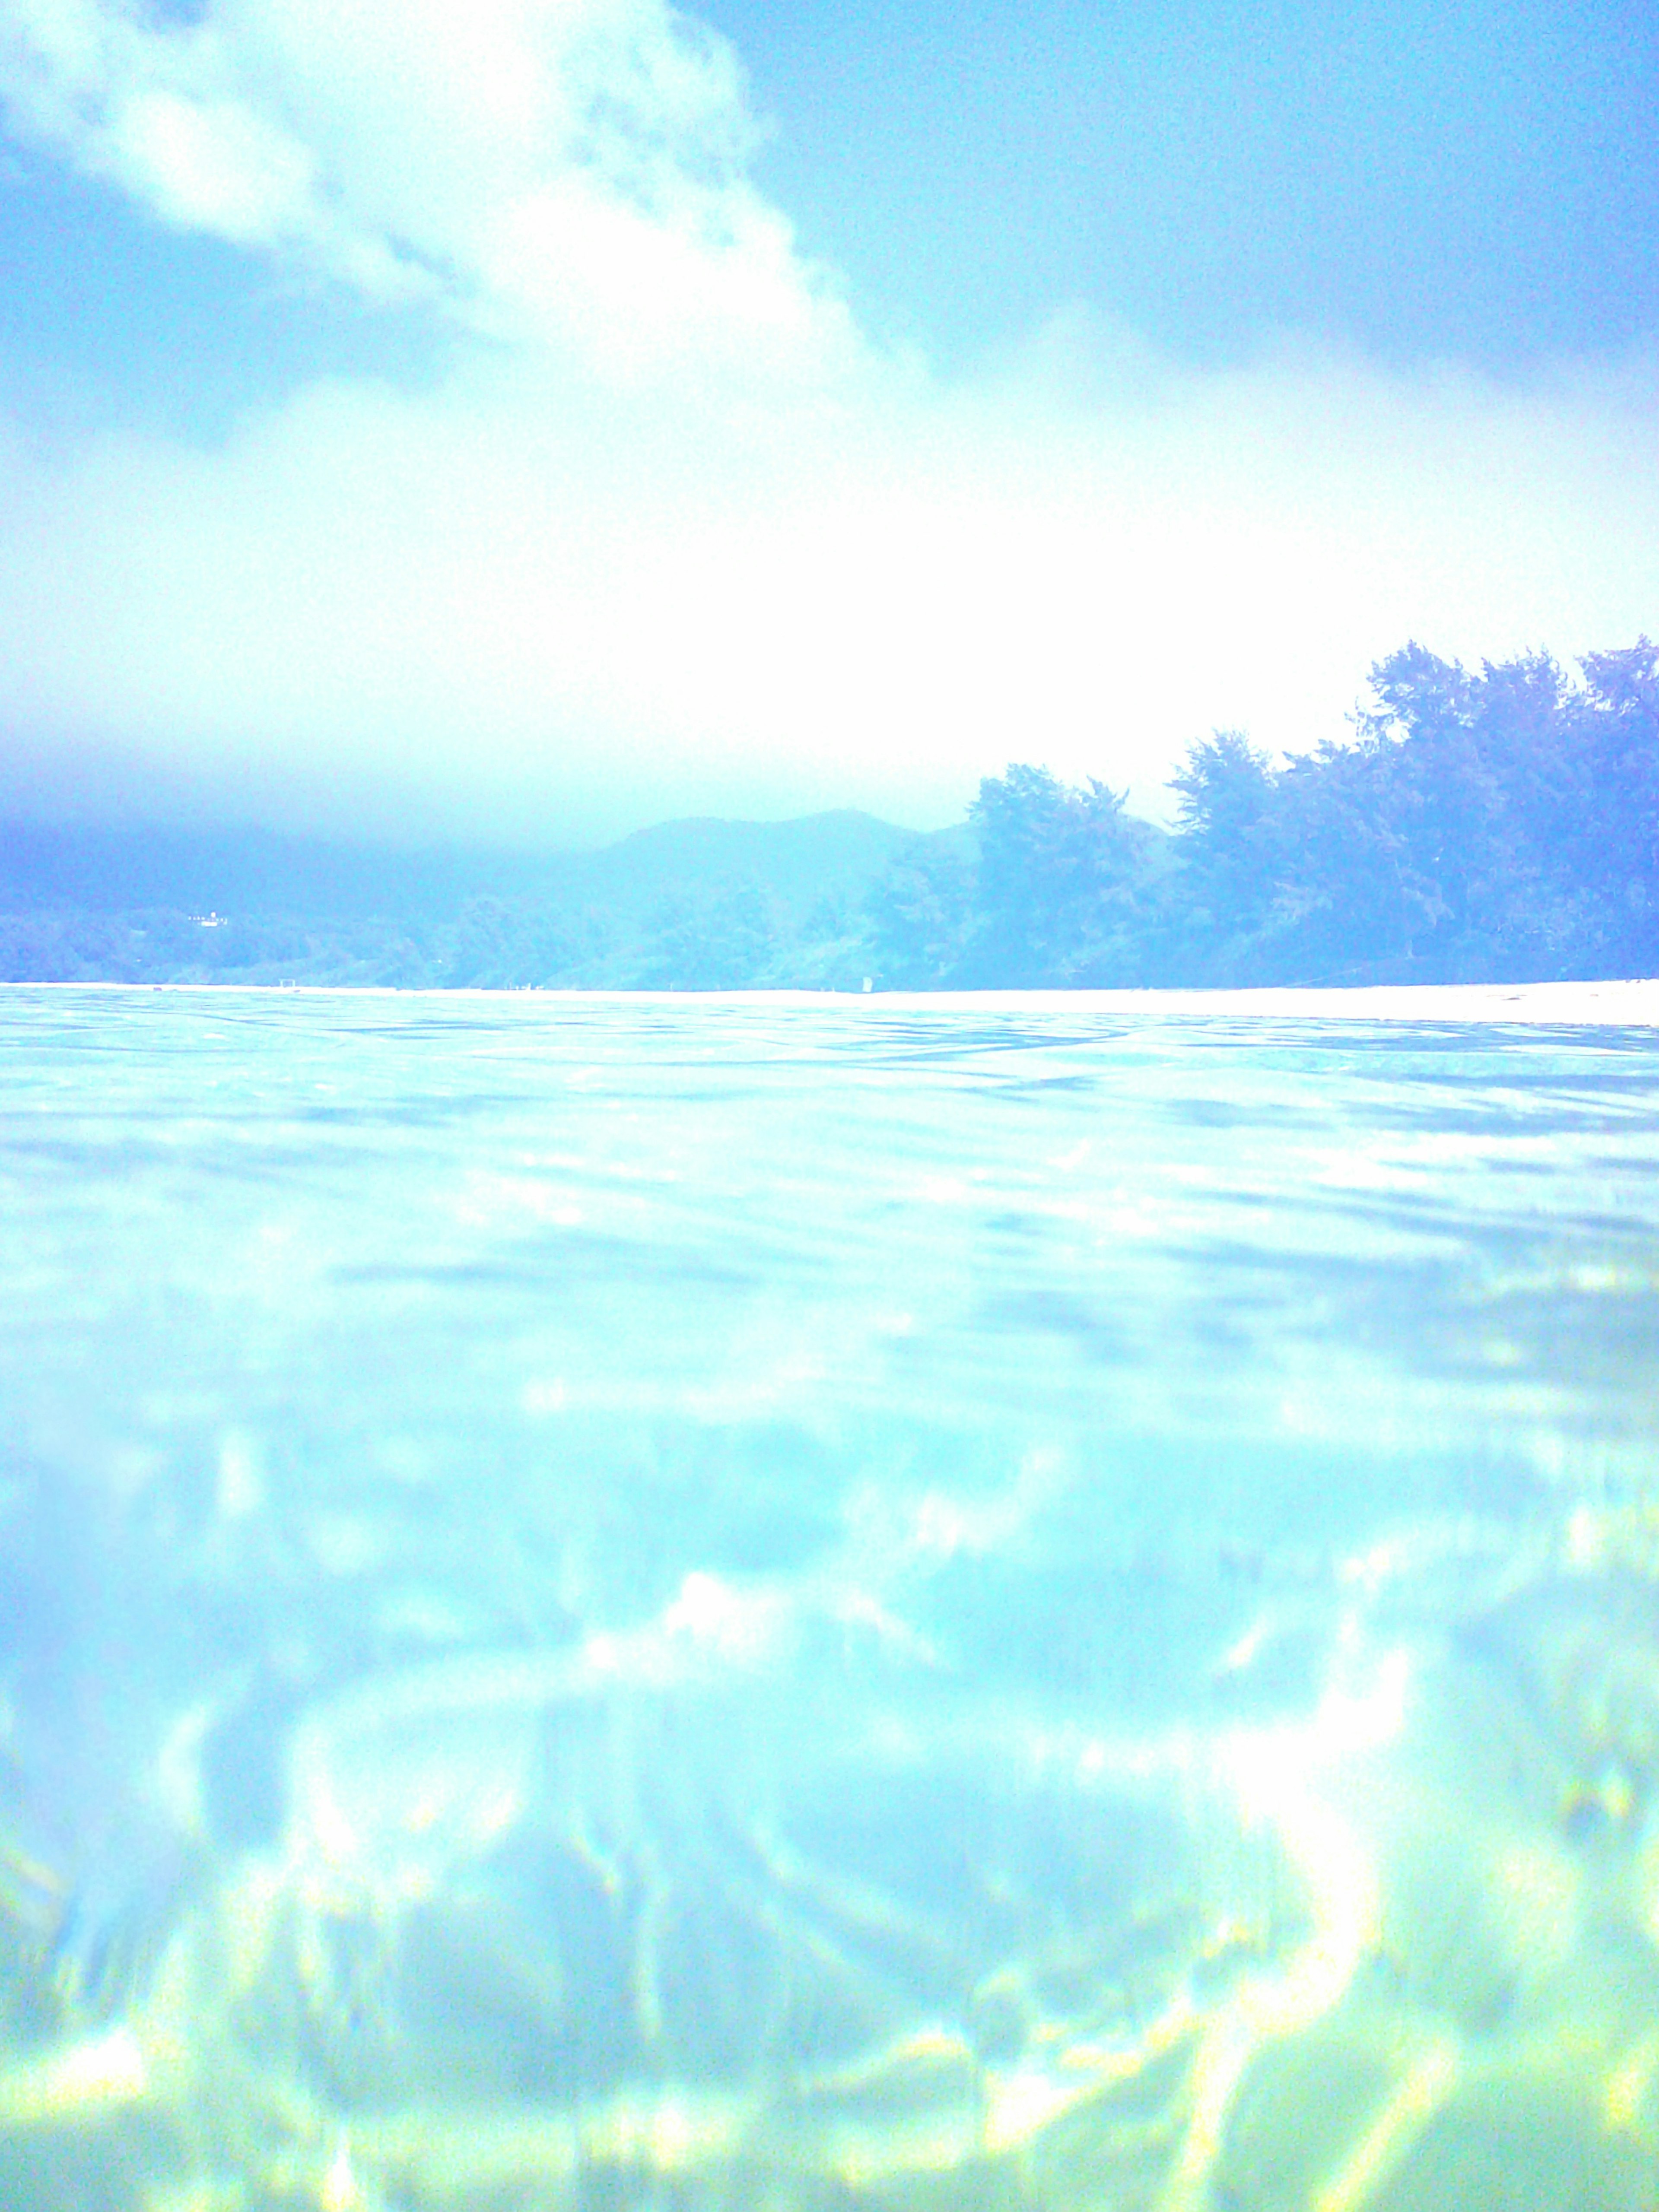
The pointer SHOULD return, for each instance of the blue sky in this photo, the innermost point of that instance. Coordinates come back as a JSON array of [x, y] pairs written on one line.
[[1413, 177], [532, 419]]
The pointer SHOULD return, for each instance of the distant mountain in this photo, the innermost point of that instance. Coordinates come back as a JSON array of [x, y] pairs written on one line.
[[1499, 826], [238, 871], [797, 863], [699, 904], [258, 873], [247, 872]]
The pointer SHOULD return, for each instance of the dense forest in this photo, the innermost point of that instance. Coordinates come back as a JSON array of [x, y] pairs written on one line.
[[1498, 826], [1501, 826]]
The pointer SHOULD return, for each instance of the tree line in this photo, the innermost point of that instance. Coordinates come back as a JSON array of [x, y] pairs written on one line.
[[1493, 826], [1497, 826]]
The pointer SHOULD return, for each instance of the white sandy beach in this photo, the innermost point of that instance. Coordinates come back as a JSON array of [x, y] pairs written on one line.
[[1633, 1003]]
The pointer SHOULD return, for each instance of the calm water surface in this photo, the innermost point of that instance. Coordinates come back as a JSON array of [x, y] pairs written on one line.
[[613, 1602]]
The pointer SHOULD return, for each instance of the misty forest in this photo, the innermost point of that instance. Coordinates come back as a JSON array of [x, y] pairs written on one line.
[[1497, 826]]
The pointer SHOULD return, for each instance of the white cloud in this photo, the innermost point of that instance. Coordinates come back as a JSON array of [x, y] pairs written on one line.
[[212, 166], [675, 539], [561, 170]]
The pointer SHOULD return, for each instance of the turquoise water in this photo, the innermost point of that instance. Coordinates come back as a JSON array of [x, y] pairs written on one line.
[[617, 1603]]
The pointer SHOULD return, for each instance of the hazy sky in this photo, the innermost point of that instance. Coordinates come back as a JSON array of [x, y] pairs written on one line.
[[532, 419]]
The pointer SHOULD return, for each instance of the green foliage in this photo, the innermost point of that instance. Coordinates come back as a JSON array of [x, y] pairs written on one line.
[[1498, 825], [1501, 825], [921, 916], [1229, 836], [1057, 873], [723, 941]]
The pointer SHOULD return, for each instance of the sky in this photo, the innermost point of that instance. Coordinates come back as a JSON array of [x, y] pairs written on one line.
[[520, 422]]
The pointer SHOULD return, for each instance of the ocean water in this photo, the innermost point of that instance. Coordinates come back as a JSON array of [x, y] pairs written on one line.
[[794, 1605]]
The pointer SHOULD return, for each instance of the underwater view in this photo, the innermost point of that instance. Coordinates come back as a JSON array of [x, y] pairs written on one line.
[[798, 1604]]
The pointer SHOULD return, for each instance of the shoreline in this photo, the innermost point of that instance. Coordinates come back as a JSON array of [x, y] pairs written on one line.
[[1631, 1002]]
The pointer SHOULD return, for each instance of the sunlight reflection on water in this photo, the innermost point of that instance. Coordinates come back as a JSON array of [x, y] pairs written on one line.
[[719, 1602]]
